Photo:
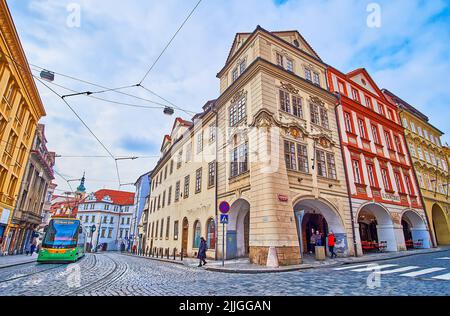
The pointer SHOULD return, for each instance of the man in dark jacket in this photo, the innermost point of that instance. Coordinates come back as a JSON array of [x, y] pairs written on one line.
[[202, 251]]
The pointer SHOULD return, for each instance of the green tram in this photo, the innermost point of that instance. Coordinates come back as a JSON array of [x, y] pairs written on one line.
[[64, 241]]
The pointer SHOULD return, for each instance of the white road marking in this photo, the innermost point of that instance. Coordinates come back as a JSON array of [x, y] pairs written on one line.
[[375, 267], [443, 258], [403, 269], [445, 277], [422, 272], [351, 267]]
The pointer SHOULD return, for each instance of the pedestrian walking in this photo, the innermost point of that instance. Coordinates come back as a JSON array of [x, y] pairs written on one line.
[[331, 243], [33, 247], [27, 249], [202, 251]]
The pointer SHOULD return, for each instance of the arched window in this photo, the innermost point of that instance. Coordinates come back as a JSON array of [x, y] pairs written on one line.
[[211, 234], [197, 233]]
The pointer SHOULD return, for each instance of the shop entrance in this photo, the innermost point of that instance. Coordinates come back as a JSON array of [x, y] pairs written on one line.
[[376, 229], [440, 225], [415, 231], [318, 215]]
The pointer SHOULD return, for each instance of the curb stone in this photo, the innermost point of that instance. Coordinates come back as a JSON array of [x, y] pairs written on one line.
[[293, 268]]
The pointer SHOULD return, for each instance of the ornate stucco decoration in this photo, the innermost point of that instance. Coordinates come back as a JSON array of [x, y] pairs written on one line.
[[238, 95], [289, 87], [324, 140], [316, 100], [264, 118]]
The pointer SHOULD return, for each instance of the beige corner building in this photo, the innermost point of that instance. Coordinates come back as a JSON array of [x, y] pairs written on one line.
[[269, 146], [284, 173], [430, 162], [20, 110]]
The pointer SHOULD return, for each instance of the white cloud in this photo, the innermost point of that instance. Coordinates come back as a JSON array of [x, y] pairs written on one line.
[[119, 40]]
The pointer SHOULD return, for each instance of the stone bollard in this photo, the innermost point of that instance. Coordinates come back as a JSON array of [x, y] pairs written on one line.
[[272, 258]]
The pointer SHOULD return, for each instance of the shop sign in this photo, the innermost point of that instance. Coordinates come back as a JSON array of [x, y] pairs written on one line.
[[391, 197], [283, 198]]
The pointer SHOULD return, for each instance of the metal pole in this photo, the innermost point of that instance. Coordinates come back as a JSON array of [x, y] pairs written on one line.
[[98, 233], [223, 244]]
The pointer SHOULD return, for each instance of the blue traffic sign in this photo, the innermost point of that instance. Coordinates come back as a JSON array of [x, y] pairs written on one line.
[[223, 218], [224, 207]]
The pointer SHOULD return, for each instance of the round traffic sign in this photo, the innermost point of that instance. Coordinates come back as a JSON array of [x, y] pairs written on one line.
[[224, 207]]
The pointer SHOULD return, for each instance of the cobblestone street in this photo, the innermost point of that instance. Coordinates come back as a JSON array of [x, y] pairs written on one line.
[[113, 274]]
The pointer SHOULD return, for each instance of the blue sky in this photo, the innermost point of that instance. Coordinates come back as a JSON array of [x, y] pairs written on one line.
[[118, 40]]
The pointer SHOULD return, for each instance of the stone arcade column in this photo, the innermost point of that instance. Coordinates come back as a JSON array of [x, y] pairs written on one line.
[[272, 222]]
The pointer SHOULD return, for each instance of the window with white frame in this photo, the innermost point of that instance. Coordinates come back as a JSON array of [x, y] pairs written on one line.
[[321, 163], [198, 180], [308, 74], [289, 65], [316, 78], [238, 111], [239, 160], [200, 142]]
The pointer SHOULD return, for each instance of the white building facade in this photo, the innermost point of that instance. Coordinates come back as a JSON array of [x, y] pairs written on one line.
[[111, 213]]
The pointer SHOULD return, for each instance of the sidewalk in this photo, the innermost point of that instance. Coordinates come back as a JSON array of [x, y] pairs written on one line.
[[309, 262], [14, 260]]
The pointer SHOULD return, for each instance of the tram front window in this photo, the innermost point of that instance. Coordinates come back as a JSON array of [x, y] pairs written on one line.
[[61, 234]]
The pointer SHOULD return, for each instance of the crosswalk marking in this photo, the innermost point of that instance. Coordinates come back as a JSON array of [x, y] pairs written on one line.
[[351, 267], [422, 272], [445, 277], [403, 269], [375, 267]]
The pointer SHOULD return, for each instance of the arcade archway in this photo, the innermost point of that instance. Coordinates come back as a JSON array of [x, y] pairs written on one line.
[[376, 228], [238, 230], [415, 230], [440, 225], [318, 215]]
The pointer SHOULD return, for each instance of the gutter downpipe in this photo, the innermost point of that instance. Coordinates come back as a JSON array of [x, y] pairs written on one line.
[[216, 190], [355, 248]]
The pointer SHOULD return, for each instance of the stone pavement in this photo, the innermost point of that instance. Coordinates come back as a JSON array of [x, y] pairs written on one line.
[[309, 262], [112, 274], [9, 261]]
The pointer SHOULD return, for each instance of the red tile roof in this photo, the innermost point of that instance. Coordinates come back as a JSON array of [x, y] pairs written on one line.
[[117, 197]]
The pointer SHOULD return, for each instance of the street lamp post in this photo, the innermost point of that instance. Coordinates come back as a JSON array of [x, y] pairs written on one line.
[[98, 233]]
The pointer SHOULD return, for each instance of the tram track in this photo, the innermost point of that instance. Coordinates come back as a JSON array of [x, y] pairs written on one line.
[[32, 274], [119, 269], [57, 265]]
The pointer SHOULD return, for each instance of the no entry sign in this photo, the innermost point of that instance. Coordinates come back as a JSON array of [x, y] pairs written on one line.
[[224, 207]]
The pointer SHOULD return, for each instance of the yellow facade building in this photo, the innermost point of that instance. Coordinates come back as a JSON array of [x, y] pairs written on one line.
[[20, 110], [430, 161]]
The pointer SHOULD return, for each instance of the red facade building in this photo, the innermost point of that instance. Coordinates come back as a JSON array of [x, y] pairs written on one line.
[[385, 201]]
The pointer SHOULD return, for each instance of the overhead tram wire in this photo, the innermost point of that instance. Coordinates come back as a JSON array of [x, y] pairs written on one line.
[[106, 89], [162, 106], [176, 107], [170, 41], [64, 178], [84, 124], [140, 84]]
